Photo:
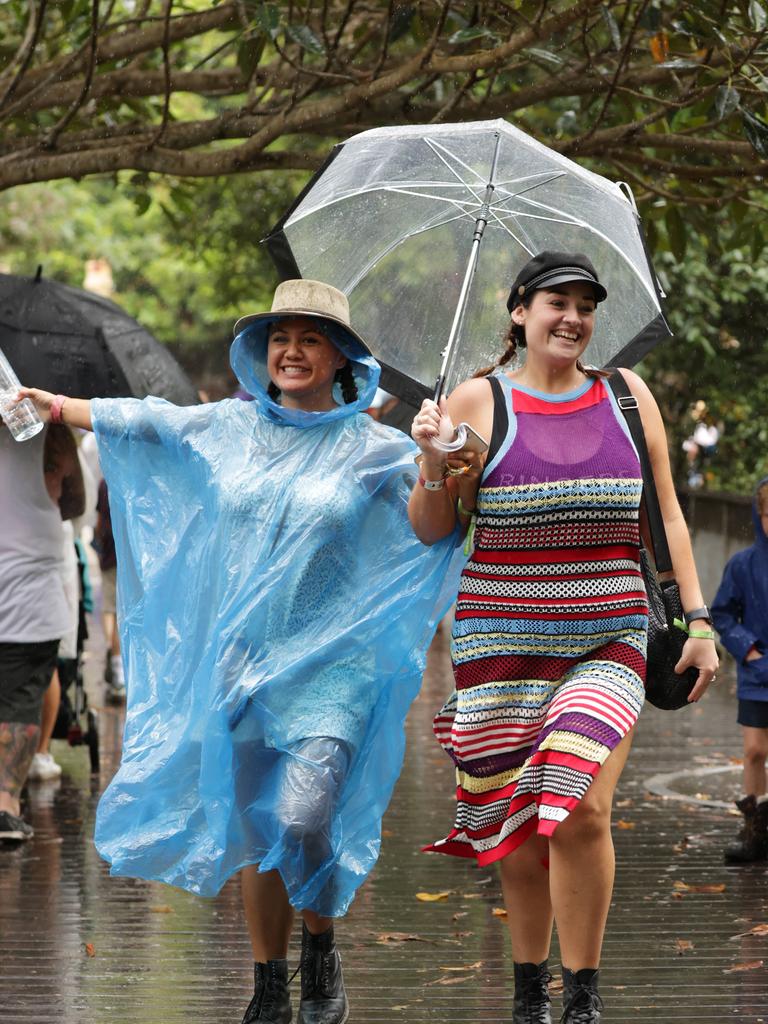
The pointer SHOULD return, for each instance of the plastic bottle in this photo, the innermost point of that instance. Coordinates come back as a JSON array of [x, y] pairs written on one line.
[[20, 417]]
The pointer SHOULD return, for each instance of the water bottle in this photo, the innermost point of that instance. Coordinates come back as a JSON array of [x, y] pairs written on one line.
[[20, 417]]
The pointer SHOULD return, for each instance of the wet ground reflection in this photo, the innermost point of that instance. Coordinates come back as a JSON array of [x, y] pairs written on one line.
[[77, 946]]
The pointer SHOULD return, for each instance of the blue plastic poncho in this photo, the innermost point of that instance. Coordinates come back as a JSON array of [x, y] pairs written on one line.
[[740, 610], [271, 593]]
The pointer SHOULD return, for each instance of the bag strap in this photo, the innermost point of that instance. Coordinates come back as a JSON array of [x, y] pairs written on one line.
[[628, 405]]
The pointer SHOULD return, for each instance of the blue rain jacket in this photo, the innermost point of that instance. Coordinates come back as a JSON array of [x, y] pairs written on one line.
[[740, 611], [270, 590]]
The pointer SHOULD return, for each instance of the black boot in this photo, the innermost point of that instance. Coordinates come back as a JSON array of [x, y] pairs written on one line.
[[582, 1004], [271, 1003], [323, 999], [532, 994], [752, 842]]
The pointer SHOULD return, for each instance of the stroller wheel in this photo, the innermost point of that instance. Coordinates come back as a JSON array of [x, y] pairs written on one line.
[[92, 739]]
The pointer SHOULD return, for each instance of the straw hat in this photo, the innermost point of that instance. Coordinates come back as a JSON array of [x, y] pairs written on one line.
[[307, 298]]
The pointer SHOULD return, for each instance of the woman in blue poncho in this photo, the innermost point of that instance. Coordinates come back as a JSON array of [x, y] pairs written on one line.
[[275, 609]]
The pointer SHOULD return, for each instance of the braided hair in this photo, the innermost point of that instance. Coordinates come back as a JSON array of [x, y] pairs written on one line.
[[514, 337]]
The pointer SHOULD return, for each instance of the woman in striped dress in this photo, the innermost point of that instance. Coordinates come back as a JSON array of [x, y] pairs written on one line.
[[551, 621]]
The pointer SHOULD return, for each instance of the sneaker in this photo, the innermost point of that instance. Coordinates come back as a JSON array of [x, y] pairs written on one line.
[[43, 768], [14, 829]]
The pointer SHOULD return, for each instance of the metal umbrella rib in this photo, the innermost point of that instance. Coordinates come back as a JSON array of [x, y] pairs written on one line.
[[387, 219]]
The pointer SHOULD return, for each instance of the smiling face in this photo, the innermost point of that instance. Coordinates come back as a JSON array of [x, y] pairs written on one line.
[[558, 323], [302, 362]]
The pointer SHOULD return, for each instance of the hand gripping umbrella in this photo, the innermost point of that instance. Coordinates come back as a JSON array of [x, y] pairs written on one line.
[[64, 339], [425, 228]]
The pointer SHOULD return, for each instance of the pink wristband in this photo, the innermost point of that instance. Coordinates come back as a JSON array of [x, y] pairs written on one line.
[[56, 406]]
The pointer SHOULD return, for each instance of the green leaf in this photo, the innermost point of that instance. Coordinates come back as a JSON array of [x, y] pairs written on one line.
[[268, 20], [726, 101], [552, 58], [651, 236], [756, 131], [651, 19], [613, 27], [249, 54], [466, 35], [142, 202], [676, 232], [757, 243], [400, 22], [306, 38], [757, 15]]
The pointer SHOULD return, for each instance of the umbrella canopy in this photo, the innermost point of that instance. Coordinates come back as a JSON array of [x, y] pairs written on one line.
[[66, 340], [390, 219]]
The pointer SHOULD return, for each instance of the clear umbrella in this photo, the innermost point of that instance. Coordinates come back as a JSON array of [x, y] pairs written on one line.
[[425, 227]]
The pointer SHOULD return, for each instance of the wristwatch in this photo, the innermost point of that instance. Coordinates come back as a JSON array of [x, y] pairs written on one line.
[[696, 614]]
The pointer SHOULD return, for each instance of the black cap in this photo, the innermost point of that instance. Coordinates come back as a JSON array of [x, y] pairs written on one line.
[[551, 268]]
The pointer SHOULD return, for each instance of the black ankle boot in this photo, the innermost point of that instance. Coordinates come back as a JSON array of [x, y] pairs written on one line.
[[582, 1004], [271, 1003], [323, 999], [532, 994], [752, 844]]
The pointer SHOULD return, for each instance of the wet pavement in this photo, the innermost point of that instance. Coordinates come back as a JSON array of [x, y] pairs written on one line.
[[686, 938]]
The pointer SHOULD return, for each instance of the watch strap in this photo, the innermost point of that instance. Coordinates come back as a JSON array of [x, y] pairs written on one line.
[[698, 613]]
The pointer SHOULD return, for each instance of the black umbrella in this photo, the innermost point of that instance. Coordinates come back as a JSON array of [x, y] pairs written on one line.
[[74, 342]]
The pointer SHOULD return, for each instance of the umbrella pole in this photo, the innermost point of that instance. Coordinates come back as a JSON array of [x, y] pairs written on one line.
[[480, 223]]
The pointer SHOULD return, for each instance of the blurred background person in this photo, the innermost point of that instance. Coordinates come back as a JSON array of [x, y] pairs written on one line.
[[40, 483], [740, 615]]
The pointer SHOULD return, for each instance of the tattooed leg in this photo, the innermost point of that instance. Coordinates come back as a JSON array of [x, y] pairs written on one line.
[[18, 742]]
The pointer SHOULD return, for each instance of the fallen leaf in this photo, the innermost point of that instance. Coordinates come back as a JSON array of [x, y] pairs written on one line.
[[683, 946], [750, 965], [459, 914], [556, 986], [683, 887], [499, 912], [625, 824], [448, 980], [163, 908], [471, 895], [759, 929], [90, 949], [386, 937], [387, 833], [629, 802], [469, 967], [432, 897]]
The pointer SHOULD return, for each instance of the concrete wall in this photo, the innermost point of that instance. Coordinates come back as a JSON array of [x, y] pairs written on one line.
[[720, 525]]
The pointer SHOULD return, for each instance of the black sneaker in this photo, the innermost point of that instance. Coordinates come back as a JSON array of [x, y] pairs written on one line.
[[14, 829]]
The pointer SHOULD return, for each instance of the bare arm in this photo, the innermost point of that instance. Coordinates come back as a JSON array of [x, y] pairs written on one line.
[[433, 514], [63, 474], [698, 652], [76, 412]]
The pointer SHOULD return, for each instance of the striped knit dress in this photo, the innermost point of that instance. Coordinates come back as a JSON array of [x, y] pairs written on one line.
[[549, 637]]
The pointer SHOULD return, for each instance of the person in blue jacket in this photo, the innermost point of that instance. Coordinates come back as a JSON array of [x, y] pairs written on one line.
[[740, 615]]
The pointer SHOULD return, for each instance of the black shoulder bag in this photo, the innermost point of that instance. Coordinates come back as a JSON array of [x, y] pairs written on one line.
[[663, 687]]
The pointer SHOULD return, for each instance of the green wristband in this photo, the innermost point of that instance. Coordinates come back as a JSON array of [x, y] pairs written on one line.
[[697, 634]]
